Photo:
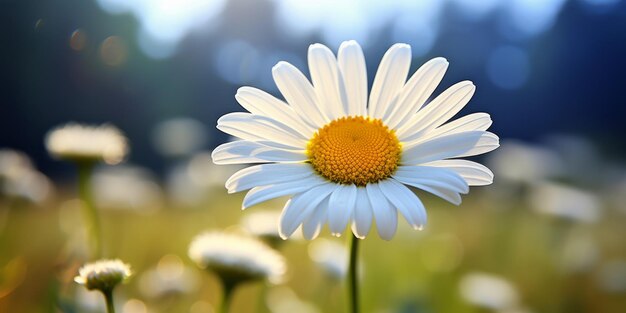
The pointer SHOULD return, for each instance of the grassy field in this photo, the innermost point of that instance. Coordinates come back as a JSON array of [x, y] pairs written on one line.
[[540, 256]]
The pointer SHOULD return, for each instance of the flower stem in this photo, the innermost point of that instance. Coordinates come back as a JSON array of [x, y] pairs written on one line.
[[85, 170], [227, 296], [108, 296], [352, 275]]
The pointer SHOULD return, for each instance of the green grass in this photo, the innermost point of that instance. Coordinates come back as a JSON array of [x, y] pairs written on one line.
[[415, 272]]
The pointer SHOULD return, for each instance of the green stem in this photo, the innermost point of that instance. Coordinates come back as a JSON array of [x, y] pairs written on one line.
[[352, 275], [108, 296], [261, 307], [227, 296], [85, 170]]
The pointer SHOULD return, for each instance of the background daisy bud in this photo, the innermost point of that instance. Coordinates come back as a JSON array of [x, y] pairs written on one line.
[[103, 275], [79, 142], [237, 258]]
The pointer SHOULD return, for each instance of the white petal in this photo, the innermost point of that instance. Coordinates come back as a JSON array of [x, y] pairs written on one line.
[[405, 201], [416, 91], [444, 192], [300, 207], [340, 208], [427, 175], [437, 112], [260, 102], [260, 128], [441, 182], [487, 142], [327, 81], [262, 194], [363, 215], [244, 152], [389, 79], [386, 216], [440, 148], [473, 173], [313, 225], [267, 174], [472, 122], [299, 93], [352, 65]]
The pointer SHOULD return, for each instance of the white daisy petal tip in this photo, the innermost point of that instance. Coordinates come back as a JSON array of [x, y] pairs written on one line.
[[282, 235], [440, 60], [418, 227], [402, 46], [281, 66], [401, 50], [467, 84], [387, 237], [241, 90], [317, 46], [359, 236], [349, 43]]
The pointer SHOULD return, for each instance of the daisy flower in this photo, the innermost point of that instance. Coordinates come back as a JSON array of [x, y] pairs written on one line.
[[237, 258], [103, 275], [346, 158], [489, 291], [79, 142]]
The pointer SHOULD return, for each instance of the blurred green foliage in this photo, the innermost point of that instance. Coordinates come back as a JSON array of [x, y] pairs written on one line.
[[415, 272]]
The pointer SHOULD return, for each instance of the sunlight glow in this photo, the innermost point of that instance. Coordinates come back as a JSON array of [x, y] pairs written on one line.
[[163, 23]]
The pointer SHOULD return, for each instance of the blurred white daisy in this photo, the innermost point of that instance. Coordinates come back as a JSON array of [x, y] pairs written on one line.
[[179, 137], [13, 162], [197, 180], [566, 202], [103, 275], [32, 186], [126, 187], [489, 291], [79, 142], [345, 158], [331, 256], [263, 224], [532, 162], [237, 258], [20, 180]]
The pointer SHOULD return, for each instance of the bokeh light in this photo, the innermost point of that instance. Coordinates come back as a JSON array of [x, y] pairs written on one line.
[[165, 22]]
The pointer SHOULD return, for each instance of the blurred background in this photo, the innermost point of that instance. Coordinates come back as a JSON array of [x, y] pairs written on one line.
[[547, 236]]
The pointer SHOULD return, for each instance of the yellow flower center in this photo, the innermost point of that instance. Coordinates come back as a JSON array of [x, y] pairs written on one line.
[[354, 150]]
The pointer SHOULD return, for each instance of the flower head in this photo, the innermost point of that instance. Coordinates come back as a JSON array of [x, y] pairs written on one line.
[[87, 143], [347, 158], [236, 258], [262, 224], [488, 291], [103, 275], [19, 179]]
